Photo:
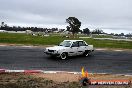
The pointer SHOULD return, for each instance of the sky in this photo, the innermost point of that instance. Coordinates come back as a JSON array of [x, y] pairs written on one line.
[[112, 16]]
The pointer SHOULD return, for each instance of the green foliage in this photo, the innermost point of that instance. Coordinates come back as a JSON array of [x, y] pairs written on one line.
[[97, 31], [86, 31], [74, 24]]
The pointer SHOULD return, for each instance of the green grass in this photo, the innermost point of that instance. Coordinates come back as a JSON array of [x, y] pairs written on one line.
[[110, 43], [28, 39], [55, 40]]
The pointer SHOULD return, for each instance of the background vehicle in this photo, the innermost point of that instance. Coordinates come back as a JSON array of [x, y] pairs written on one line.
[[70, 48]]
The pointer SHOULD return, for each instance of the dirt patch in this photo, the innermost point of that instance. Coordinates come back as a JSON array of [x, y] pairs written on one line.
[[21, 80], [60, 77], [64, 77], [51, 80]]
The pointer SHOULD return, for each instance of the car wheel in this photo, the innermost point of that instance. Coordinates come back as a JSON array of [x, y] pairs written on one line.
[[86, 53], [63, 56]]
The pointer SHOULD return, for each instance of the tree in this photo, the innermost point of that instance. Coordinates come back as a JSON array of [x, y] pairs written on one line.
[[86, 31], [68, 28], [129, 35], [122, 34], [97, 31], [2, 24], [74, 25]]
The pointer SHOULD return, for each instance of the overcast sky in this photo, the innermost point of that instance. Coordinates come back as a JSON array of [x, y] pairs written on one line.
[[109, 15]]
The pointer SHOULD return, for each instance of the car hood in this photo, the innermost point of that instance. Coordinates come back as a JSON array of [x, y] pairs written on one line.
[[57, 48]]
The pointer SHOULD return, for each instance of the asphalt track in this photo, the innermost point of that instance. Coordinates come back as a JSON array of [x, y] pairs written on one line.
[[33, 58]]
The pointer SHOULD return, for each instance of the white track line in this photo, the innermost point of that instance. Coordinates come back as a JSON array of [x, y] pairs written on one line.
[[100, 49], [14, 71], [2, 45], [110, 50], [27, 46], [119, 50]]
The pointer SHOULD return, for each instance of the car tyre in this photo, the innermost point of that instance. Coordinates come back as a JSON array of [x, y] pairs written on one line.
[[63, 56], [86, 53]]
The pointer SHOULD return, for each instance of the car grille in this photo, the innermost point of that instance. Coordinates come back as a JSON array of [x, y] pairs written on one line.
[[50, 50]]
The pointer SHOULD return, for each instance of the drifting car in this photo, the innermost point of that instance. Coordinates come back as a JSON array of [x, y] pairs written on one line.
[[70, 48]]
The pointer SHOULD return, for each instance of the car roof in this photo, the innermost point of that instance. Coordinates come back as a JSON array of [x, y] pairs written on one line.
[[73, 40]]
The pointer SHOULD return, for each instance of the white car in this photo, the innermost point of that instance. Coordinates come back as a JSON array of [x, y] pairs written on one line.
[[70, 48]]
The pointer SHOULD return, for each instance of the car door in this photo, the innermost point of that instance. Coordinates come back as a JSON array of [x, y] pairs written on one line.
[[74, 49], [81, 48]]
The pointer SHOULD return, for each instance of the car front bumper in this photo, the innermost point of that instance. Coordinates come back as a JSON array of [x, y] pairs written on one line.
[[52, 53]]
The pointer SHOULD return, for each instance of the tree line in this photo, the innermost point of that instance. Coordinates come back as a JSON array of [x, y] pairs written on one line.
[[34, 29]]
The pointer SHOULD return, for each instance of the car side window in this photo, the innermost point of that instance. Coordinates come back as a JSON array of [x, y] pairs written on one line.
[[81, 43], [75, 44]]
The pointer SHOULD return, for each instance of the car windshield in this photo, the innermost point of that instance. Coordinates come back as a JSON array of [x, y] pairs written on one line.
[[65, 43]]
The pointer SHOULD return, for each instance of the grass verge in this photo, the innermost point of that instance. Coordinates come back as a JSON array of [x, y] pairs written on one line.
[[11, 38]]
